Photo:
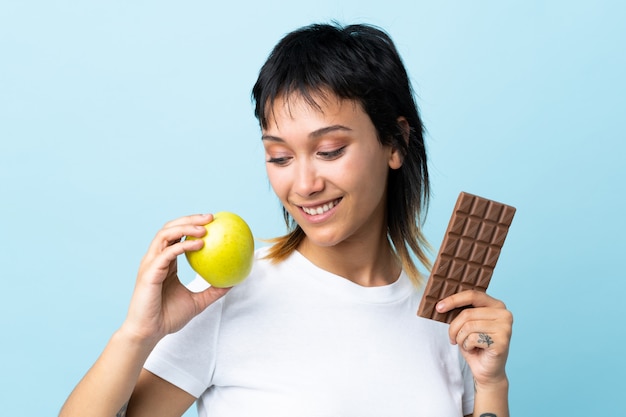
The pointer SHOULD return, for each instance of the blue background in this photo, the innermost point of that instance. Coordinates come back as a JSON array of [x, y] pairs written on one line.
[[117, 116]]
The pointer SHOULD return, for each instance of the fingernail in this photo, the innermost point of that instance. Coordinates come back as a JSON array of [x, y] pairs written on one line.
[[441, 306]]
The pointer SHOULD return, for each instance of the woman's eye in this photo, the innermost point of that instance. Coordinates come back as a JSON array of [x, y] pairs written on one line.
[[330, 155], [280, 160]]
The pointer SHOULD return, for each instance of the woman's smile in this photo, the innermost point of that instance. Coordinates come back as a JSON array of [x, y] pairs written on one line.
[[319, 209]]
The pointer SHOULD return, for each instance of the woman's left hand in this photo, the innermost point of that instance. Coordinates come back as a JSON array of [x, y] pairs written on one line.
[[483, 334]]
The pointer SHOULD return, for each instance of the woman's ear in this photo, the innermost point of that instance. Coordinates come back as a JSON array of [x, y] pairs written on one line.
[[397, 155]]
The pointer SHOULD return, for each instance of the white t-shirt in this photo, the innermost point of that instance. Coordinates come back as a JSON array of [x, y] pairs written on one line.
[[295, 340]]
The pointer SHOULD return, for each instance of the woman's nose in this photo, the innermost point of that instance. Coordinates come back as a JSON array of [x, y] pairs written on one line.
[[307, 181]]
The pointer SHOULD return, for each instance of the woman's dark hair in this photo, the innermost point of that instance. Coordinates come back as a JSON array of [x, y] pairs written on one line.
[[359, 63]]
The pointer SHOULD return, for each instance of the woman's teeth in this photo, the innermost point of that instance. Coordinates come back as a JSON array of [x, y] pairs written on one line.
[[313, 211]]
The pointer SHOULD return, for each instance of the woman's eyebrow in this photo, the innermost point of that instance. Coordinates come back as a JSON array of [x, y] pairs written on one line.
[[313, 135], [328, 129], [272, 138]]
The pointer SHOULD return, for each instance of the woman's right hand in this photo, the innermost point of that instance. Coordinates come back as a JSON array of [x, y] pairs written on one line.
[[160, 303]]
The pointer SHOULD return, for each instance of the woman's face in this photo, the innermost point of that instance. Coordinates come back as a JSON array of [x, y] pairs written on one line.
[[328, 168]]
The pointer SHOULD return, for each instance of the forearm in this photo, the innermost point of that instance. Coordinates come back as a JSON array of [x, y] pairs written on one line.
[[108, 385], [492, 401]]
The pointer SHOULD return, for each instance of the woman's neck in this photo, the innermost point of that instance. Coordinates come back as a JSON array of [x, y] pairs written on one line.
[[370, 263]]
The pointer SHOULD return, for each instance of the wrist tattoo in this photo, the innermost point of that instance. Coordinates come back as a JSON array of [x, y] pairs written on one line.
[[485, 338]]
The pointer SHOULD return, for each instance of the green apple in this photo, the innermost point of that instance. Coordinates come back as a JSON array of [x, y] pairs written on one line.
[[226, 257]]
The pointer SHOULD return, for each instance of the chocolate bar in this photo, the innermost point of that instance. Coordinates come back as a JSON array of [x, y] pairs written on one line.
[[469, 252]]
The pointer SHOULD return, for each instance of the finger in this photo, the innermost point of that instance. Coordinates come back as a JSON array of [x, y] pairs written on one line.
[[471, 317], [171, 252], [173, 231], [493, 321], [174, 234], [499, 314], [459, 332], [480, 340], [165, 260], [207, 297], [468, 298], [196, 219]]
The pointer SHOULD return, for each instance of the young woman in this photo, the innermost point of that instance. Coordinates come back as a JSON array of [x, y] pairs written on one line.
[[326, 324]]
